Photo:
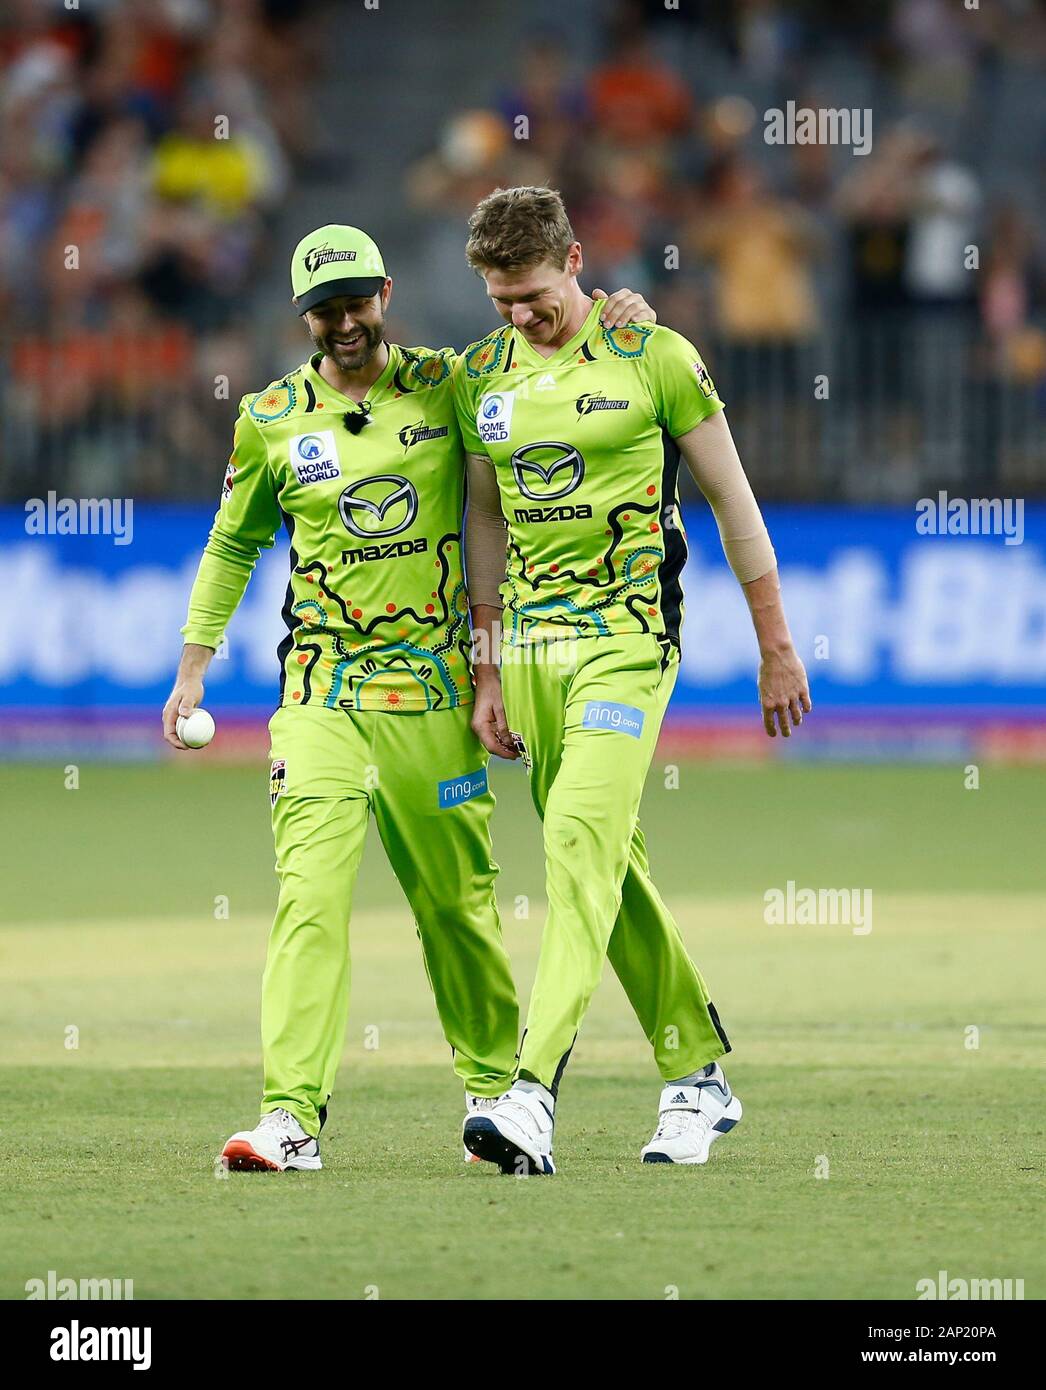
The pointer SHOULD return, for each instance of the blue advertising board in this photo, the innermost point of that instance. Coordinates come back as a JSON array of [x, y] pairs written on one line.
[[885, 618]]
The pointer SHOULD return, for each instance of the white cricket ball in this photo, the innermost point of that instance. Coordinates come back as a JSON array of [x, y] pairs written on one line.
[[195, 730]]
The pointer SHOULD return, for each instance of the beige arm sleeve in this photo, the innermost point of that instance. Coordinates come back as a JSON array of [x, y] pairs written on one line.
[[484, 534], [713, 461]]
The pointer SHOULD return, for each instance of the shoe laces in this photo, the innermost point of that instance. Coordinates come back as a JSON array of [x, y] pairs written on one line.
[[674, 1123], [276, 1119]]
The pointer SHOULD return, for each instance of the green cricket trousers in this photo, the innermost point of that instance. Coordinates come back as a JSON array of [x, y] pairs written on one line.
[[589, 711], [424, 777]]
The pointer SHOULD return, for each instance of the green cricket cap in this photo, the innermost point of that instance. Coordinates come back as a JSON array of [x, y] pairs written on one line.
[[335, 260]]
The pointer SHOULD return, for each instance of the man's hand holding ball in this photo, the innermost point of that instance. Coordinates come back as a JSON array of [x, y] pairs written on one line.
[[185, 724]]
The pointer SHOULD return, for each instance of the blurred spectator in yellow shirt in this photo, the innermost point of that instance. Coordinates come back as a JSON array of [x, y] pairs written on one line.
[[201, 161], [761, 247]]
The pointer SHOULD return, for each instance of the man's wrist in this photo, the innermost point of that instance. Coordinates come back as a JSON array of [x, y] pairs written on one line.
[[194, 661], [771, 629], [486, 638]]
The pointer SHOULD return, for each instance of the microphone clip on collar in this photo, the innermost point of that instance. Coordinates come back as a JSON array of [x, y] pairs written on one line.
[[354, 420]]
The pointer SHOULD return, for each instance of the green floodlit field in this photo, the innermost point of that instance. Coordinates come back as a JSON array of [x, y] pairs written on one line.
[[851, 1049]]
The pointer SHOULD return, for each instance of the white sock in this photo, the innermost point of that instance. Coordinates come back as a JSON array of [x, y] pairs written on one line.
[[693, 1078]]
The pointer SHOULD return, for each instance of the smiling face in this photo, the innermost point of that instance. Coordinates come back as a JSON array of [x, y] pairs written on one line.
[[349, 330], [544, 301]]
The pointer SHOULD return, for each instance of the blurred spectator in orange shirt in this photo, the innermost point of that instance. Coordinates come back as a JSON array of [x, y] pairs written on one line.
[[635, 99]]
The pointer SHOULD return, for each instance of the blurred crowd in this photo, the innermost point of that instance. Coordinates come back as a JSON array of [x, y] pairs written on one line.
[[145, 146], [899, 259], [647, 165], [148, 147]]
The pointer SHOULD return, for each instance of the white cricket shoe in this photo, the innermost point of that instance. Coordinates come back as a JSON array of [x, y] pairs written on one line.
[[515, 1133], [278, 1142], [476, 1105], [691, 1118]]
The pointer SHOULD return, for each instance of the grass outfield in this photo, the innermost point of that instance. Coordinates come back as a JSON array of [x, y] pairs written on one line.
[[847, 1048]]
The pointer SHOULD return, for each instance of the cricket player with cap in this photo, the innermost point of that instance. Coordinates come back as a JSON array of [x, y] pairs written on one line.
[[357, 452], [575, 431]]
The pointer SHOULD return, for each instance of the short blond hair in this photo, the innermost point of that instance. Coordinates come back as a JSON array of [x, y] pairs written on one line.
[[516, 228]]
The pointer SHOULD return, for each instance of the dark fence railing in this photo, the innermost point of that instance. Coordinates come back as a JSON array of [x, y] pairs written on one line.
[[872, 413], [886, 412]]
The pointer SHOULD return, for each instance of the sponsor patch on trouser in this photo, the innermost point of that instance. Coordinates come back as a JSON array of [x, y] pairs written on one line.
[[607, 714], [521, 749], [277, 779], [455, 790]]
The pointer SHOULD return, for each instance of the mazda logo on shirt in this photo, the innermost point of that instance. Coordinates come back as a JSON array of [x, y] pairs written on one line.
[[544, 472], [383, 505]]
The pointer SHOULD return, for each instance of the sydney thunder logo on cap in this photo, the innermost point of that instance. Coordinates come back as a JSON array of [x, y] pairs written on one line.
[[335, 260], [322, 254]]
